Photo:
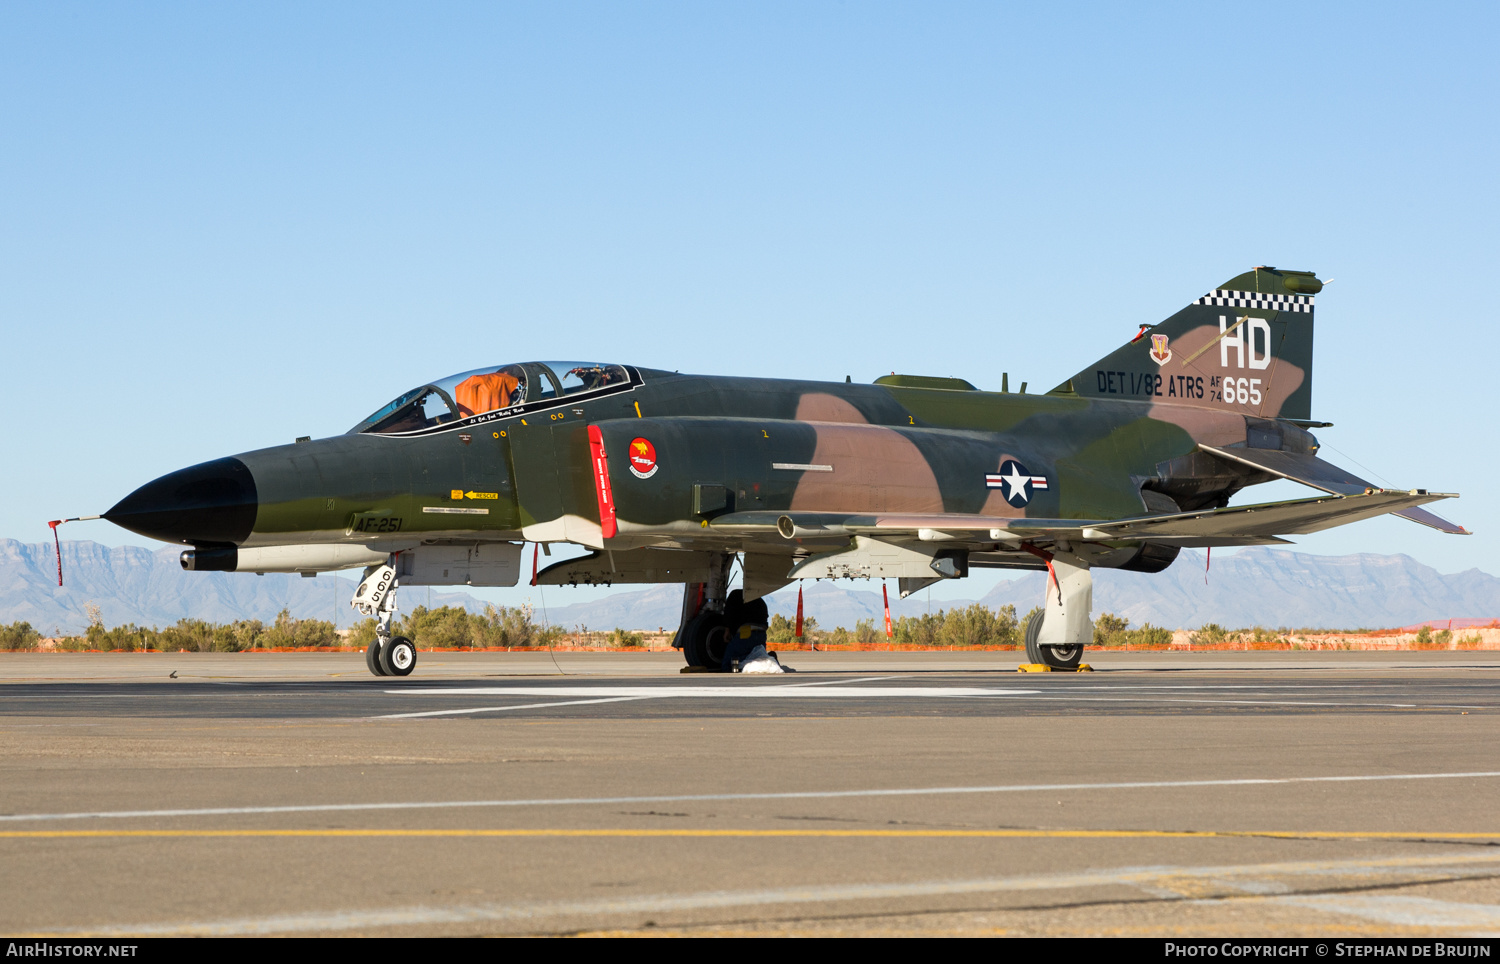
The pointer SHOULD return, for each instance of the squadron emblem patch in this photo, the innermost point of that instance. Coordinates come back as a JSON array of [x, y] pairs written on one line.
[[1160, 353], [1015, 483], [642, 459]]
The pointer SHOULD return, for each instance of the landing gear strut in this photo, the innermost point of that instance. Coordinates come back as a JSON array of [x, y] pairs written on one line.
[[1056, 636], [708, 610], [376, 596]]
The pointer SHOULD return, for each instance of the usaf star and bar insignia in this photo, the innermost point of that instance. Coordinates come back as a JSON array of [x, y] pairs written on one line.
[[1016, 483]]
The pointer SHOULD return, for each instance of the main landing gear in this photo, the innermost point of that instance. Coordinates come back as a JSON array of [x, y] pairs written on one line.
[[719, 631], [710, 613], [1055, 637], [376, 596]]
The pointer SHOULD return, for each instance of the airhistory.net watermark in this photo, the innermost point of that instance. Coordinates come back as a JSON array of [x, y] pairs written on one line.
[[50, 949]]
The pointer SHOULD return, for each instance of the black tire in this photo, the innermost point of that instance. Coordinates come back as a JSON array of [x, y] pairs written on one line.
[[695, 634], [398, 657], [1062, 657], [1057, 657], [716, 643], [1033, 630], [372, 657]]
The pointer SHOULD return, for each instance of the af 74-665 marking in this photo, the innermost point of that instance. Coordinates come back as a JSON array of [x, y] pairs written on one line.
[[667, 477]]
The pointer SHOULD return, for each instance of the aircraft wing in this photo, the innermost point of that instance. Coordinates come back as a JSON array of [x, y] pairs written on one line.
[[1313, 471], [1261, 524]]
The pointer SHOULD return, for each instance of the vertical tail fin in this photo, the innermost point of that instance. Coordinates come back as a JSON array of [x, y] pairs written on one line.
[[1246, 346]]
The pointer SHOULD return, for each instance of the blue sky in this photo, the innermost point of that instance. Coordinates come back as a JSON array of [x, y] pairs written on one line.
[[225, 226]]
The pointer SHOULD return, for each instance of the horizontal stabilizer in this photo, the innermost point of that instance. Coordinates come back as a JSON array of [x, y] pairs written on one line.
[[1296, 517], [1313, 471], [1423, 517]]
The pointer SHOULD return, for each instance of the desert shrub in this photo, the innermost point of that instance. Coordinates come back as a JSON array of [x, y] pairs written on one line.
[[838, 636], [453, 626], [1210, 634], [362, 634], [1112, 630], [974, 626], [200, 636], [1149, 635], [128, 638], [289, 633], [918, 630], [447, 627], [245, 634], [1109, 629], [625, 639], [783, 629], [19, 636], [1427, 639], [516, 626], [978, 626]]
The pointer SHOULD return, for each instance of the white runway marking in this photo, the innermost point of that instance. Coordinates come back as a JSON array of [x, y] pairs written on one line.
[[1169, 699], [727, 691], [602, 689], [501, 709], [713, 797], [1155, 880], [821, 689], [1405, 911]]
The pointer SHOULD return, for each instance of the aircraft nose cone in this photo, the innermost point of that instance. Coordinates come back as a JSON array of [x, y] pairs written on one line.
[[206, 504]]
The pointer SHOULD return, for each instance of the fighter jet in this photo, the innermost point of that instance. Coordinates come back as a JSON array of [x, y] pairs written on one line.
[[669, 477]]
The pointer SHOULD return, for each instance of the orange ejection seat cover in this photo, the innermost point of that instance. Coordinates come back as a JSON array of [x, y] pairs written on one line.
[[485, 393]]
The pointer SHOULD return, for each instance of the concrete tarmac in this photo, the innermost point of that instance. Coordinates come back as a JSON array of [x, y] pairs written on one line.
[[1168, 794]]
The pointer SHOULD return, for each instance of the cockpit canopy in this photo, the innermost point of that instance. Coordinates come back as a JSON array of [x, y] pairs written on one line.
[[488, 390]]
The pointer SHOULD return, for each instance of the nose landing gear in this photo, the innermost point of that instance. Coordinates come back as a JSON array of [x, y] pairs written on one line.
[[376, 596], [398, 657]]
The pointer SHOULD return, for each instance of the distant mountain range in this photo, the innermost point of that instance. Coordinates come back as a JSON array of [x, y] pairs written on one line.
[[130, 584], [1260, 586]]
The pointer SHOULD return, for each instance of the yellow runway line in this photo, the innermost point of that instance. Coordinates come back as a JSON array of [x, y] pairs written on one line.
[[626, 832]]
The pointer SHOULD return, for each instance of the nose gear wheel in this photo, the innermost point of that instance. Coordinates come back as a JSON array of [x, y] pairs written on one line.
[[372, 658], [398, 657]]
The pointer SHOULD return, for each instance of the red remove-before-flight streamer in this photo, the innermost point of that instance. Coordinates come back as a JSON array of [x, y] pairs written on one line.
[[58, 542]]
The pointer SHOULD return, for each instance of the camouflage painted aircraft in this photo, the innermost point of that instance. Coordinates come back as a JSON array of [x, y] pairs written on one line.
[[668, 477]]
